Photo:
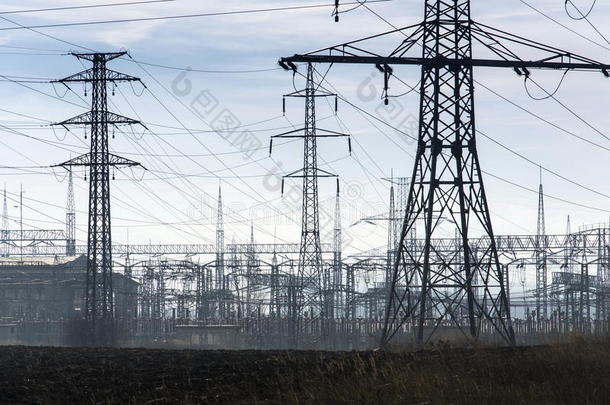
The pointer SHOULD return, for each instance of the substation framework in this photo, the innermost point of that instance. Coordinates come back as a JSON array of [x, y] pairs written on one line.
[[252, 286]]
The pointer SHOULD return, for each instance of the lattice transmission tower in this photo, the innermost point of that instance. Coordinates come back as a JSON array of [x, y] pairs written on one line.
[[99, 299], [5, 226], [220, 245], [336, 298], [430, 289], [70, 218], [311, 296], [542, 294]]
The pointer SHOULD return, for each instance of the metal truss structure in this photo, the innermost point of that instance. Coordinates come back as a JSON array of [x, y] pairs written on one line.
[[313, 281], [99, 305], [259, 297], [467, 288]]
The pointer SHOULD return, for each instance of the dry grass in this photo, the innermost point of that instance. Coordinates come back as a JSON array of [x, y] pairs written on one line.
[[572, 373]]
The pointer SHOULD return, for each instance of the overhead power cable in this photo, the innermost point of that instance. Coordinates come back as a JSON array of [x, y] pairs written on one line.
[[87, 6], [542, 13], [585, 16], [196, 70], [521, 186], [544, 120], [582, 15], [183, 16]]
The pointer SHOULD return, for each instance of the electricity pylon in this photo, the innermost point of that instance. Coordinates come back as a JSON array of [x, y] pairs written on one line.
[[336, 298], [541, 259], [446, 182], [70, 218], [221, 281], [5, 226], [310, 294], [220, 245], [99, 300]]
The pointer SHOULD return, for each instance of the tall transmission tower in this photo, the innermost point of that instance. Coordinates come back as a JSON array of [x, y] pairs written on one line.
[[251, 267], [5, 226], [70, 218], [221, 282], [541, 259], [392, 238], [446, 183], [399, 191], [337, 278], [275, 295], [310, 286], [220, 244], [99, 300]]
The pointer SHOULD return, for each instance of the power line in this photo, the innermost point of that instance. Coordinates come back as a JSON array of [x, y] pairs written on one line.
[[542, 13], [586, 18], [545, 194], [205, 70], [129, 3], [183, 16], [542, 118], [186, 180], [554, 173], [582, 15], [45, 34]]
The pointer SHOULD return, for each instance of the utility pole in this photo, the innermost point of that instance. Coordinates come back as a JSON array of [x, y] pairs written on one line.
[[99, 300], [541, 258], [70, 218], [309, 289], [447, 180]]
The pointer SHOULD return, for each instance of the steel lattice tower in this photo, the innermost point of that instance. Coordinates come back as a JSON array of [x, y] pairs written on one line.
[[220, 245], [5, 226], [70, 218], [310, 255], [251, 268], [392, 239], [429, 289], [99, 300], [447, 182], [541, 259], [337, 278], [311, 296]]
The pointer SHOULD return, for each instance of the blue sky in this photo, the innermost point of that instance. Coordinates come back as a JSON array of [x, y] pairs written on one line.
[[163, 206]]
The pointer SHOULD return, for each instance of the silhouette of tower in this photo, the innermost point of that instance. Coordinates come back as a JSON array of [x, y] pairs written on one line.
[[446, 185], [99, 298], [337, 279], [310, 291], [5, 226], [220, 245], [541, 259], [70, 218]]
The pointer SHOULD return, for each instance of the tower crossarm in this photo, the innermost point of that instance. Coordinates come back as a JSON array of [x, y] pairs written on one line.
[[85, 160], [88, 76], [506, 46], [453, 63], [88, 118]]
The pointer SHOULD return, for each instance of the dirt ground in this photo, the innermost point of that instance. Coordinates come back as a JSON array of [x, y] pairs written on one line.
[[576, 373]]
